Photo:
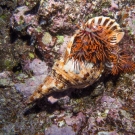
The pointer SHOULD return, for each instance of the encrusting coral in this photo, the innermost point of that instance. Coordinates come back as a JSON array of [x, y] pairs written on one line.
[[91, 50]]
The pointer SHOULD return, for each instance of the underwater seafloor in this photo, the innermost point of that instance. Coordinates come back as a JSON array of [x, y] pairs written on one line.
[[105, 108]]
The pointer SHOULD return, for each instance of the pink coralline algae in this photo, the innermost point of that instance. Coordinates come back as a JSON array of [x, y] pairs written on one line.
[[61, 24], [111, 107], [38, 67], [110, 102], [54, 130], [28, 87], [131, 24], [48, 8], [114, 5], [64, 99], [76, 121], [20, 20]]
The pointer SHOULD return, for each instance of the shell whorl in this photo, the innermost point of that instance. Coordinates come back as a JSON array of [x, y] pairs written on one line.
[[63, 78], [92, 48]]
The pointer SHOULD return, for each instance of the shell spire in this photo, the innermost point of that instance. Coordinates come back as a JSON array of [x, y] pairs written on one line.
[[92, 49]]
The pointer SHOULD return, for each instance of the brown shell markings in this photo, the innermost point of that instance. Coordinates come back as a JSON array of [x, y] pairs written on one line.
[[91, 50]]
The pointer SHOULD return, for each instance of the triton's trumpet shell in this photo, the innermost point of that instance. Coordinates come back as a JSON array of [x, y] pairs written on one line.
[[93, 48]]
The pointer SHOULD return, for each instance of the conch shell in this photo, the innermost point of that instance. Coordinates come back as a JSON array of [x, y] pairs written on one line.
[[91, 50]]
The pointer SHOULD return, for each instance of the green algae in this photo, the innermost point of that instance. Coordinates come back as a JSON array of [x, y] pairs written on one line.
[[31, 55], [60, 39]]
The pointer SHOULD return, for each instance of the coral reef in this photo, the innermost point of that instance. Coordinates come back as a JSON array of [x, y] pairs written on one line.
[[106, 107]]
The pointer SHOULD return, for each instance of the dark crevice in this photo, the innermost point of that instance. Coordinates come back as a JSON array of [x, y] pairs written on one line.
[[34, 10], [17, 68]]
